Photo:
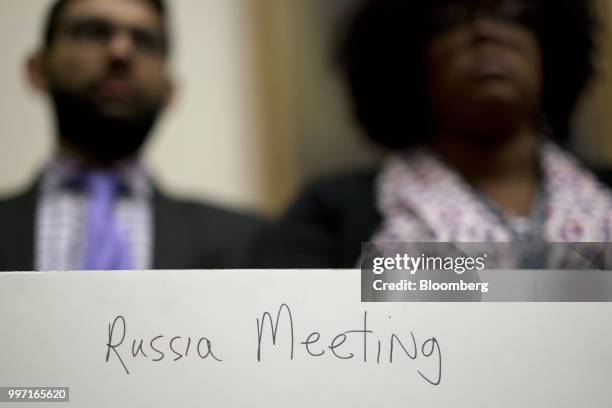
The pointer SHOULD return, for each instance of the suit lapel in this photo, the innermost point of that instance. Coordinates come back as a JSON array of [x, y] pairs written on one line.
[[162, 232], [172, 246], [17, 237]]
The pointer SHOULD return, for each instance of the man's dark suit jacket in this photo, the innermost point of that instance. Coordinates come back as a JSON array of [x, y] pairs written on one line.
[[187, 235], [329, 221], [325, 226]]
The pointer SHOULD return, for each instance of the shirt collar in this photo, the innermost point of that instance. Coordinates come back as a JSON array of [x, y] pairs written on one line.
[[63, 172]]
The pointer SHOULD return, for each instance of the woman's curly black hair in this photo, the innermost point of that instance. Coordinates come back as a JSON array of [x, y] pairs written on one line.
[[381, 56]]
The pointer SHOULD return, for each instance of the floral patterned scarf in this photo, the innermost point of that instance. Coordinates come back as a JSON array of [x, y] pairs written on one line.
[[421, 200]]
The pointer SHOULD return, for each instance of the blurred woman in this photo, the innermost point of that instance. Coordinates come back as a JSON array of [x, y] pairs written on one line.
[[473, 99]]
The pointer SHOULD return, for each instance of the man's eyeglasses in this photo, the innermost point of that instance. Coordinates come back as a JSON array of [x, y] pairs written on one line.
[[99, 32]]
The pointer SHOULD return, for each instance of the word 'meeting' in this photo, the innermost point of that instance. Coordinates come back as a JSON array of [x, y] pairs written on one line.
[[393, 345]]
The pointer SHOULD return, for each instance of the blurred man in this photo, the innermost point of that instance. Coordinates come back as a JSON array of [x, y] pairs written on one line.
[[104, 66]]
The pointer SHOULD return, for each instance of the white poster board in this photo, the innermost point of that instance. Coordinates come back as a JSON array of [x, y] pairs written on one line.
[[57, 330]]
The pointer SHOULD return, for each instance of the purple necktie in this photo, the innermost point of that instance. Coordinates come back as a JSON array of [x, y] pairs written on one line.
[[104, 249]]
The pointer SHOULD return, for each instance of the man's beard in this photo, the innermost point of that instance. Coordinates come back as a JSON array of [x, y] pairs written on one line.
[[101, 137]]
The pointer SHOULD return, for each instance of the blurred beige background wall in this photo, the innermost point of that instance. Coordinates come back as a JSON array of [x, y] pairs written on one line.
[[205, 147], [308, 129], [603, 94]]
